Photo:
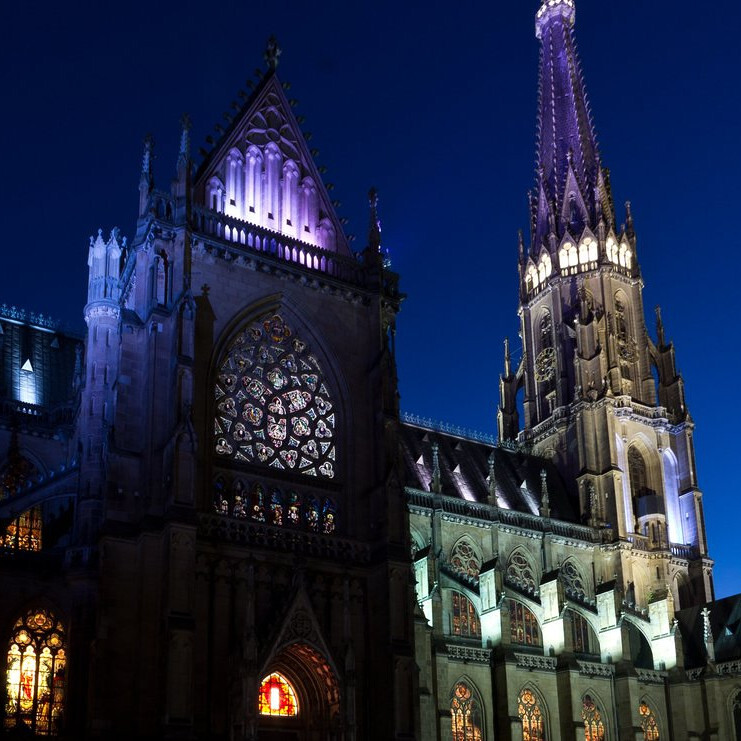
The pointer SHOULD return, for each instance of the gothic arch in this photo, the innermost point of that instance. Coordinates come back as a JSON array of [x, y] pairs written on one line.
[[575, 584], [467, 719], [465, 556], [584, 631], [464, 612], [329, 369], [592, 730], [533, 712], [640, 643], [670, 487], [521, 572], [654, 708], [733, 704]]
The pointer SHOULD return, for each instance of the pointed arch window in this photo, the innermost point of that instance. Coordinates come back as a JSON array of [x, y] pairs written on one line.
[[23, 533], [648, 723], [465, 715], [594, 728], [531, 715], [35, 674], [523, 625], [612, 251], [277, 697], [520, 572], [568, 255], [583, 638], [273, 406], [465, 618], [736, 708], [572, 581], [637, 473], [464, 559]]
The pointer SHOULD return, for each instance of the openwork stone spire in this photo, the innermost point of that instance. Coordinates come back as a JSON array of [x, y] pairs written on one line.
[[570, 189]]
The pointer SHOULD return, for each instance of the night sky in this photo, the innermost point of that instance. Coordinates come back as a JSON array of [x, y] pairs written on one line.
[[436, 108]]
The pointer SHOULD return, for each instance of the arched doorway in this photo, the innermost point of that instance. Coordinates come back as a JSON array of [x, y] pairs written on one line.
[[298, 697]]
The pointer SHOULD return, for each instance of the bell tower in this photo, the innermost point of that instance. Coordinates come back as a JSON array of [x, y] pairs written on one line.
[[599, 396]]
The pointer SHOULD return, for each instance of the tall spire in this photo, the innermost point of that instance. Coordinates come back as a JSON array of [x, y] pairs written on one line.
[[570, 189]]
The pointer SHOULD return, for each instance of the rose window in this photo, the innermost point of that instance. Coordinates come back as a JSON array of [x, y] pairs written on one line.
[[272, 404]]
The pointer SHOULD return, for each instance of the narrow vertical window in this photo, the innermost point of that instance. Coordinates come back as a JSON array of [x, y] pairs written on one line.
[[465, 715], [533, 727], [35, 674], [648, 723], [465, 619], [594, 728]]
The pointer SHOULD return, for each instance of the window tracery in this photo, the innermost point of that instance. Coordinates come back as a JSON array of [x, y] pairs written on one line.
[[35, 674], [277, 697], [583, 639], [23, 533], [533, 726], [465, 715], [520, 573], [464, 559], [275, 507], [594, 728], [572, 581], [465, 618], [273, 406], [523, 625], [648, 723]]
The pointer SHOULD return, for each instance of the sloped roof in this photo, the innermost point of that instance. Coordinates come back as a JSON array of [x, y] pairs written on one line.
[[725, 625], [464, 470]]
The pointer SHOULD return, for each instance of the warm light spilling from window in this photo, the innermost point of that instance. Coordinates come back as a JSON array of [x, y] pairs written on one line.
[[277, 697]]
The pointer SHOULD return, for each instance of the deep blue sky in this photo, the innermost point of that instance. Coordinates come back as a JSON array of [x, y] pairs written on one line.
[[434, 106]]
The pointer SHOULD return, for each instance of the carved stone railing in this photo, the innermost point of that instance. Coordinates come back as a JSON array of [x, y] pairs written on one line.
[[469, 653], [729, 667], [639, 542], [50, 418], [595, 669], [536, 662], [448, 429], [651, 676], [461, 508], [244, 532], [250, 238], [688, 552], [22, 316], [694, 674]]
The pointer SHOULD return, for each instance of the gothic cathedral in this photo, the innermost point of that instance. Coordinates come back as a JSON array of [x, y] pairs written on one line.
[[214, 491]]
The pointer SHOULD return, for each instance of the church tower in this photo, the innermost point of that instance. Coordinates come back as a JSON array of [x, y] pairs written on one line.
[[600, 398]]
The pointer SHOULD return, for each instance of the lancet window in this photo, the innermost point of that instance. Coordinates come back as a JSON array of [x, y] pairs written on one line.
[[568, 256], [464, 559], [278, 507], [583, 638], [648, 723], [637, 473], [465, 618], [531, 715], [273, 406], [465, 715], [594, 728], [277, 697], [22, 533], [523, 625], [35, 674]]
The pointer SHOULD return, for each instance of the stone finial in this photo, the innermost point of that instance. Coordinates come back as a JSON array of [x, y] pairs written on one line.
[[147, 156], [492, 479], [374, 225], [507, 359], [435, 485], [272, 53], [707, 634], [593, 505], [185, 127], [660, 328], [545, 504]]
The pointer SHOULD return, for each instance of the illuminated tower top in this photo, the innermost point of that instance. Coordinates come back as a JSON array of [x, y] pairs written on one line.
[[571, 192]]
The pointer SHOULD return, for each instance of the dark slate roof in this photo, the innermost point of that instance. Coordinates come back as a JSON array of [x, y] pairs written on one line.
[[725, 625], [49, 356], [464, 469]]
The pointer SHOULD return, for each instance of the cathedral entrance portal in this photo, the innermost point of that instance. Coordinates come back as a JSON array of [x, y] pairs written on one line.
[[299, 698]]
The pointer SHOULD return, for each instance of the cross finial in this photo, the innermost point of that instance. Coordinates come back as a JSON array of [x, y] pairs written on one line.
[[272, 52], [545, 504]]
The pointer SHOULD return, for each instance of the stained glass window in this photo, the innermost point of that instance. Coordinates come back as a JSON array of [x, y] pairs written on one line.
[[465, 715], [329, 515], [533, 727], [648, 723], [22, 533], [582, 635], [464, 558], [594, 728], [35, 674], [465, 620], [523, 625], [520, 572], [277, 697], [273, 406]]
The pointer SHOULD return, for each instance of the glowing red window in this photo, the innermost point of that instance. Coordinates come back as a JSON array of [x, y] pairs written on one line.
[[277, 697]]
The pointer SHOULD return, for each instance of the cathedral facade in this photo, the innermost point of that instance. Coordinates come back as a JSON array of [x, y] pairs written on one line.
[[213, 489]]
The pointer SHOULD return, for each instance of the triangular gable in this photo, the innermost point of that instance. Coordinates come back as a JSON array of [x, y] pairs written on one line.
[[262, 172], [300, 626]]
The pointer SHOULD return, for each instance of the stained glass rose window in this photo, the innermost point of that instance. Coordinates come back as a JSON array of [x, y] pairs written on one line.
[[273, 406]]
